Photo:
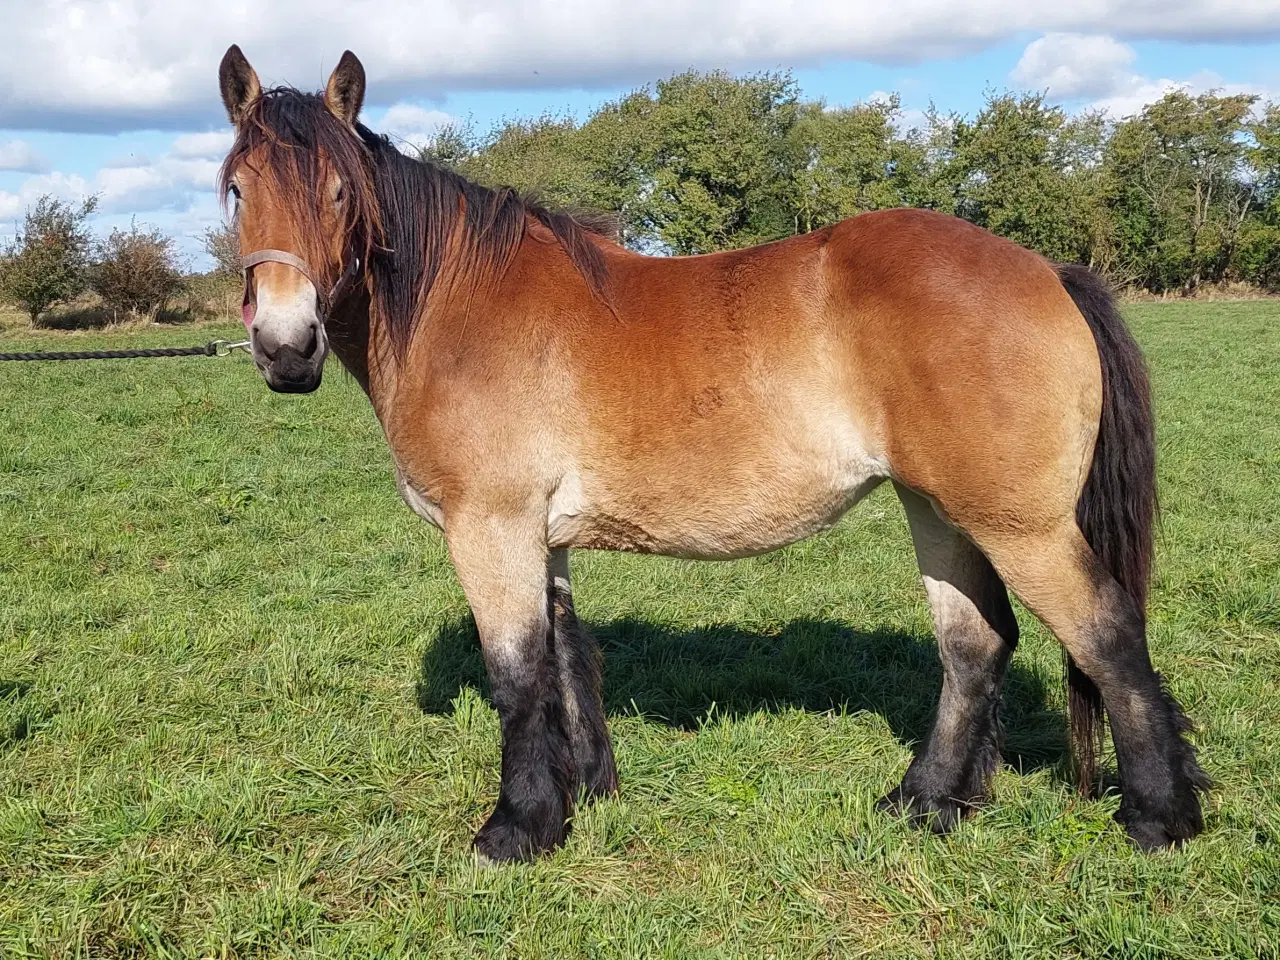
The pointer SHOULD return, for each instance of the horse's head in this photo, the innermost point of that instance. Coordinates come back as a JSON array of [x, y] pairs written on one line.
[[305, 211]]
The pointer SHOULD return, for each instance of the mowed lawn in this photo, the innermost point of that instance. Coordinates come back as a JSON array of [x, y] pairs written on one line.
[[242, 711]]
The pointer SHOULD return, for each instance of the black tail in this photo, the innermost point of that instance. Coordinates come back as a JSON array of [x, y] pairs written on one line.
[[1117, 508]]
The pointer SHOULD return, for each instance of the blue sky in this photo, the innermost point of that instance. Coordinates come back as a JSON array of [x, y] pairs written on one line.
[[126, 101]]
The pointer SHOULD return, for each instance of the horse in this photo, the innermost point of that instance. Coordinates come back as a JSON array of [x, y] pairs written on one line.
[[542, 389]]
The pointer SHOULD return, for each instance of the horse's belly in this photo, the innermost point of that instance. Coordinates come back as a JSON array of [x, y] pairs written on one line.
[[709, 519]]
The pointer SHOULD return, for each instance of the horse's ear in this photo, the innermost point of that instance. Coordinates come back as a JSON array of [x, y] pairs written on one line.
[[239, 83], [344, 94]]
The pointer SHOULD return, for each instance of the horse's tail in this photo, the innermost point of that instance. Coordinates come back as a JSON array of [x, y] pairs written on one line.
[[1117, 508]]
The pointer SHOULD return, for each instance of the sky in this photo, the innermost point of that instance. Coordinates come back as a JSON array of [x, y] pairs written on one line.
[[119, 98]]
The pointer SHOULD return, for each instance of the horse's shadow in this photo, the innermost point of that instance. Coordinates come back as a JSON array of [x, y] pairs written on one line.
[[679, 678]]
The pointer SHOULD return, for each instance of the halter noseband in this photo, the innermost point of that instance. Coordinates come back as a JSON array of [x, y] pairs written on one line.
[[326, 302]]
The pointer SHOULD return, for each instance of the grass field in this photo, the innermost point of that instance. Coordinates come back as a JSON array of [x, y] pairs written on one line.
[[242, 711]]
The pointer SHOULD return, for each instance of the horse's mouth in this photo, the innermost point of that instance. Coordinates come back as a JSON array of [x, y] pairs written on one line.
[[294, 384]]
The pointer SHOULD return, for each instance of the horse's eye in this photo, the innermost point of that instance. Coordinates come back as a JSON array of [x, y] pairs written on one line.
[[235, 191], [340, 194]]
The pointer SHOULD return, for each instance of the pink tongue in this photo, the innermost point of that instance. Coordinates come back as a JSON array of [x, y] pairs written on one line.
[[246, 313]]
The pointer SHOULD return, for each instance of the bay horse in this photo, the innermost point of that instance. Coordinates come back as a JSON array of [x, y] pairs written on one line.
[[542, 388]]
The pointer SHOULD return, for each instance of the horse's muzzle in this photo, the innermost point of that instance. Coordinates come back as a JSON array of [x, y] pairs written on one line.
[[290, 371]]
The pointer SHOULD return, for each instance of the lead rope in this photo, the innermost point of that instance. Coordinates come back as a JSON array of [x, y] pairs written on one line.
[[215, 348]]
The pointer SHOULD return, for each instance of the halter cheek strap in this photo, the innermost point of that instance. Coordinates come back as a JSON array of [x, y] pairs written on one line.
[[326, 302]]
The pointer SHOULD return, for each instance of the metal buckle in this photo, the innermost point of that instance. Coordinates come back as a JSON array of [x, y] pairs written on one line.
[[224, 348]]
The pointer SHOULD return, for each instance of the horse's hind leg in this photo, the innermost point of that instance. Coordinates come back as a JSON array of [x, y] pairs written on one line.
[[977, 634], [1055, 573], [579, 661]]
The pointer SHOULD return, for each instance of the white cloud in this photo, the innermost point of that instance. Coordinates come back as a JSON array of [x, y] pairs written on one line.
[[129, 64], [1094, 72], [169, 183], [19, 156], [411, 124], [209, 145], [173, 183], [1130, 101], [1074, 65], [14, 205]]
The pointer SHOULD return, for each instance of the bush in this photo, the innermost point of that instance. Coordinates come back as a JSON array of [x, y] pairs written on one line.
[[223, 245], [137, 271], [1259, 256], [218, 291], [48, 262]]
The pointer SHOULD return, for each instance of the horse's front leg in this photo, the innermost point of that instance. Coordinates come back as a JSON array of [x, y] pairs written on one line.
[[578, 656], [502, 565]]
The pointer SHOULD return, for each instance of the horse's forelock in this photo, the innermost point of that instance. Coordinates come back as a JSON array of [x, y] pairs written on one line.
[[292, 138]]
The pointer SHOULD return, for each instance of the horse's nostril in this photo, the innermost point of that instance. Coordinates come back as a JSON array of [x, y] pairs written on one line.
[[313, 341], [268, 345]]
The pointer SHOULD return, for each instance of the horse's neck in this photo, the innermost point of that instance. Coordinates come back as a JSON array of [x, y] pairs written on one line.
[[358, 347], [349, 340]]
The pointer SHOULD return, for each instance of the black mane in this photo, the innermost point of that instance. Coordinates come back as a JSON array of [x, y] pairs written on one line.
[[421, 205]]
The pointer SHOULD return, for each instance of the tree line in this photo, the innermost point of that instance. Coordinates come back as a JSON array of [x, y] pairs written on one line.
[[1185, 193]]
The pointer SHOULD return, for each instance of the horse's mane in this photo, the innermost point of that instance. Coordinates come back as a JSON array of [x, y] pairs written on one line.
[[416, 225]]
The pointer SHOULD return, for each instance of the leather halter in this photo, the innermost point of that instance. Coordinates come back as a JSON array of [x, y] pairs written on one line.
[[325, 302]]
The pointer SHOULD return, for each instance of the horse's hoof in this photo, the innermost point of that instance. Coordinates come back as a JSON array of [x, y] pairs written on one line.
[[1150, 834], [939, 814], [1147, 835], [600, 784], [503, 840]]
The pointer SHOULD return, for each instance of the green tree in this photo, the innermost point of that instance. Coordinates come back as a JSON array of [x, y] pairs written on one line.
[[1187, 191], [48, 261], [1257, 257], [616, 144], [717, 160], [451, 147], [1201, 151], [539, 157], [1028, 172], [854, 160], [1180, 195], [699, 163], [1264, 160]]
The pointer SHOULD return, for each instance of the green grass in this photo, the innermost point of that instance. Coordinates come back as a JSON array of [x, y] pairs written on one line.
[[242, 713]]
